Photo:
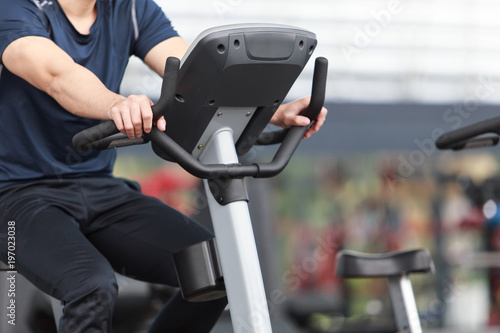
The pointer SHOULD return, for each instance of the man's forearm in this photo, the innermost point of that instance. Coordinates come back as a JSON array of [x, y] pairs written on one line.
[[80, 92], [44, 65]]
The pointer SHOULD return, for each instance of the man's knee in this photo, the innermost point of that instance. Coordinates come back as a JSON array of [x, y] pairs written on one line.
[[104, 289], [100, 289], [90, 307]]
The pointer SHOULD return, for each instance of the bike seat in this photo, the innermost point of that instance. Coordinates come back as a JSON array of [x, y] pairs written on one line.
[[352, 264]]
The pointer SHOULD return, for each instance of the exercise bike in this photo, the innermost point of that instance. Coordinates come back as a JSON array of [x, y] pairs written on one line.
[[217, 105], [217, 102]]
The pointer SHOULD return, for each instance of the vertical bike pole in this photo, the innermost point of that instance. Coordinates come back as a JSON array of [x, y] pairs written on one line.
[[403, 304], [236, 245]]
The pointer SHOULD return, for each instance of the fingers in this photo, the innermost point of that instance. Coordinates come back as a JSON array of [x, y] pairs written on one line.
[[147, 115], [133, 116], [288, 115], [161, 124], [127, 123], [301, 121], [134, 128], [290, 120], [320, 120]]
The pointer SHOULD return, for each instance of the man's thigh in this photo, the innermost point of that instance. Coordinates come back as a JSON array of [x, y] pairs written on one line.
[[142, 234], [51, 251]]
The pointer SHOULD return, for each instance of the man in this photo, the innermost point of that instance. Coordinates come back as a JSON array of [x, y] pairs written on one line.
[[63, 61]]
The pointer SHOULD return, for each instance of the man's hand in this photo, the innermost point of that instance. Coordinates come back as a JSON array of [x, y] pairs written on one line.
[[287, 115], [133, 116]]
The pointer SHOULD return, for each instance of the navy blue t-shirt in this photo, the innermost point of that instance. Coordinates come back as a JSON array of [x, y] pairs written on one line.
[[35, 131]]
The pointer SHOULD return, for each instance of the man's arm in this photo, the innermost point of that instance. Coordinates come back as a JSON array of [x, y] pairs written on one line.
[[43, 64], [157, 56]]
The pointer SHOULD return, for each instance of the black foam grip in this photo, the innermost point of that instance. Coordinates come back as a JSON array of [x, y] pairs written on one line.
[[97, 137], [168, 88], [454, 138], [318, 89], [94, 136]]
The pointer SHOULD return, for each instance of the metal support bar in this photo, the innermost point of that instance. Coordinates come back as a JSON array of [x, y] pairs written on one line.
[[403, 304], [237, 249]]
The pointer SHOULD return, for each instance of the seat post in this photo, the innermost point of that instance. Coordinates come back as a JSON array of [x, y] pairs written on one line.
[[395, 266], [403, 304]]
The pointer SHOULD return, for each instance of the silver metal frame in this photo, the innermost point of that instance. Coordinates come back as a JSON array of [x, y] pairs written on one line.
[[236, 118], [403, 304], [236, 245]]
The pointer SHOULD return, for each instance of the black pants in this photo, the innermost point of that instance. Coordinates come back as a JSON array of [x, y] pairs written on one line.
[[72, 234]]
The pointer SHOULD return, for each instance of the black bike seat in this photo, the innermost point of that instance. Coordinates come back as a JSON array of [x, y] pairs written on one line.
[[352, 264]]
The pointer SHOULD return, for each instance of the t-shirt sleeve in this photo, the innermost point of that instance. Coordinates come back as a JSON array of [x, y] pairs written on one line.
[[153, 27], [20, 18]]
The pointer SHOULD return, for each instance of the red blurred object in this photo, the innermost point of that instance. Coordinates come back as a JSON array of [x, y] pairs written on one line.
[[475, 219], [168, 185]]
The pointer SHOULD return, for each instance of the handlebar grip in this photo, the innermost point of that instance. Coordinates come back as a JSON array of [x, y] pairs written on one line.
[[312, 111], [119, 140], [97, 137], [168, 88], [318, 89], [93, 137], [454, 138]]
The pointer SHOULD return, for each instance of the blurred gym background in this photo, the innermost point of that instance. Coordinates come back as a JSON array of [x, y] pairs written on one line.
[[402, 72]]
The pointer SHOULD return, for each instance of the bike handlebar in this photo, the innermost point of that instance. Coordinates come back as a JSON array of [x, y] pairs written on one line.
[[106, 134], [290, 140], [212, 171], [471, 136]]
